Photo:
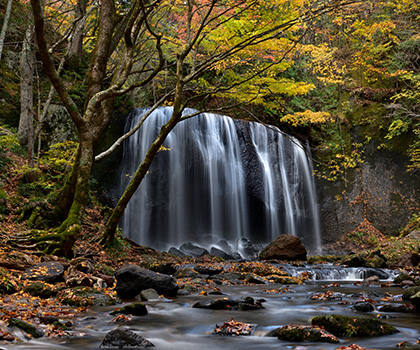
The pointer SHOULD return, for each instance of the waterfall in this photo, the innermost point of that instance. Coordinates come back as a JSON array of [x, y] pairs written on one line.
[[218, 178]]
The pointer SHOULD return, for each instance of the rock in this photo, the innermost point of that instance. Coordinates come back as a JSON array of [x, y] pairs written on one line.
[[82, 296], [25, 326], [124, 339], [193, 250], [246, 248], [299, 333], [149, 294], [414, 234], [405, 345], [403, 277], [363, 306], [240, 303], [253, 278], [285, 247], [415, 299], [132, 279], [372, 279], [404, 308], [409, 292], [208, 270], [186, 272], [40, 289], [233, 327], [176, 251], [346, 326], [49, 272], [83, 264], [136, 309], [225, 255], [76, 278], [407, 260], [354, 261], [165, 268]]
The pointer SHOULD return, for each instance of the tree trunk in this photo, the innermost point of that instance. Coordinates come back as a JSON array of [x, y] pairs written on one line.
[[26, 91], [5, 25], [75, 51]]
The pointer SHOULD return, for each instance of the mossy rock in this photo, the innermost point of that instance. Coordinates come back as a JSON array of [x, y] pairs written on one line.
[[403, 277], [299, 333], [409, 292], [136, 309], [346, 326], [40, 289], [82, 296], [25, 326]]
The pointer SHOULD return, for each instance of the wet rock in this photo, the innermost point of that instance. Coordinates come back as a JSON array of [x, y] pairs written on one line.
[[240, 303], [136, 309], [415, 300], [40, 289], [372, 279], [406, 345], [285, 247], [186, 272], [225, 255], [403, 277], [233, 327], [149, 294], [409, 292], [124, 339], [25, 326], [50, 272], [299, 333], [247, 248], [208, 270], [354, 261], [363, 306], [193, 250], [176, 251], [404, 308], [253, 278], [132, 279], [82, 296], [345, 326]]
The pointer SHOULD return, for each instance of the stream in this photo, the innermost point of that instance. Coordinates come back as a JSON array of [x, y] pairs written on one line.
[[175, 325]]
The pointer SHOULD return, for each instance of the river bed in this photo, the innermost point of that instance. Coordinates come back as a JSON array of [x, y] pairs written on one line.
[[172, 324]]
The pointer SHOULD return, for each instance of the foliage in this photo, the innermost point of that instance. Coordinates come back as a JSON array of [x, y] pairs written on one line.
[[59, 157]]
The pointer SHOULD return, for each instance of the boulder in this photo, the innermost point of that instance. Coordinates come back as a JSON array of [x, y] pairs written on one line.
[[285, 247], [299, 333], [404, 308], [193, 250], [407, 260], [208, 270], [82, 296], [132, 279], [403, 277], [415, 300], [409, 292], [50, 272], [25, 326], [124, 339], [225, 255], [346, 326], [176, 251], [247, 248]]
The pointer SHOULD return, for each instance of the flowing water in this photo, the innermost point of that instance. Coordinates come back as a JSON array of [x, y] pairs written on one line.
[[218, 178], [175, 325]]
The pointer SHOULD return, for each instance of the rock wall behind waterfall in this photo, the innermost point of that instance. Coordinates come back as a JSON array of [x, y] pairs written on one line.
[[219, 178]]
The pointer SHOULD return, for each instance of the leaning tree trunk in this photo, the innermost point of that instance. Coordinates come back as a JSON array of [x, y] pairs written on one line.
[[62, 242]]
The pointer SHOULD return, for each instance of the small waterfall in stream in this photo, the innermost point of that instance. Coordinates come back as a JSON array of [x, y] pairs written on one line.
[[218, 178]]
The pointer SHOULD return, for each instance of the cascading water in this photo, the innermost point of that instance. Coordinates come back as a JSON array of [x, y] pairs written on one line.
[[218, 178]]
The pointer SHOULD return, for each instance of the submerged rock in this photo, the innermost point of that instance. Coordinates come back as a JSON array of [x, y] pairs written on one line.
[[363, 306], [124, 339], [346, 326], [240, 303], [299, 333], [132, 279], [285, 247]]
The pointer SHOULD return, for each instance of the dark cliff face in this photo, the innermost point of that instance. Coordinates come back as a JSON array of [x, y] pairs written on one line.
[[379, 190]]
